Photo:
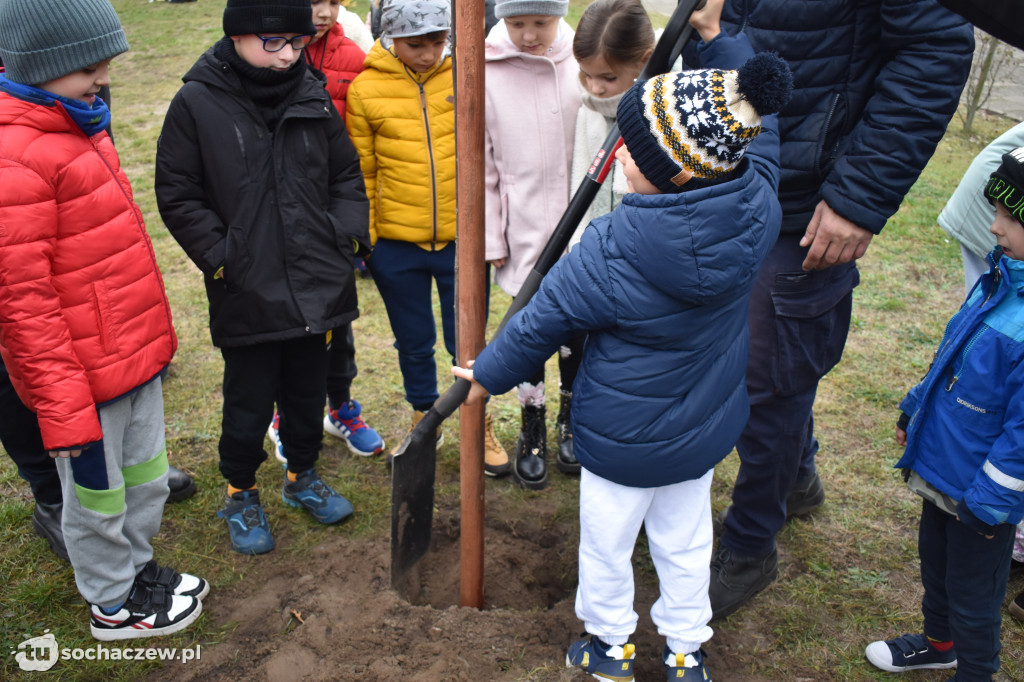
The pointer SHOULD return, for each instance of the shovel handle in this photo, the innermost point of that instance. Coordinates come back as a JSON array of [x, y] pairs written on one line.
[[666, 51]]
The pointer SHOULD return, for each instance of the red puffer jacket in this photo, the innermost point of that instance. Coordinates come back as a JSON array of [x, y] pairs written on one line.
[[83, 314], [340, 60]]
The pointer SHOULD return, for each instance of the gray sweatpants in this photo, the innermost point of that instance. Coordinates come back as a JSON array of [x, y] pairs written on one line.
[[114, 496]]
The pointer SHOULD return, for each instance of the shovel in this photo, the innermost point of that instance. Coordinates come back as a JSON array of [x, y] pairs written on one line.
[[413, 463]]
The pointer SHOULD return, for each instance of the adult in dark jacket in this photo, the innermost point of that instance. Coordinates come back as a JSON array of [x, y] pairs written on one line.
[[257, 180], [875, 84]]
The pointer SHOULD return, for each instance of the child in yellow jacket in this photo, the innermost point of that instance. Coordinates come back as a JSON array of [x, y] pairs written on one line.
[[401, 118]]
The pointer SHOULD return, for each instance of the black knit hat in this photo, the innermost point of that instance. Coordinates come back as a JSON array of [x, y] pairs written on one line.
[[1006, 184], [41, 40], [243, 17], [700, 121]]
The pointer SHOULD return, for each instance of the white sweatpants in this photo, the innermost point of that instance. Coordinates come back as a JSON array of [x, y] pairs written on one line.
[[677, 519]]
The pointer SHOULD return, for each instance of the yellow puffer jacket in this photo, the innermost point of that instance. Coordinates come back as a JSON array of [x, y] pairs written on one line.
[[403, 125]]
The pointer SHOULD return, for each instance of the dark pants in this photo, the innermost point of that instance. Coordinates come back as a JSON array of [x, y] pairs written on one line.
[[343, 368], [19, 433], [404, 274], [292, 372], [798, 326], [964, 577]]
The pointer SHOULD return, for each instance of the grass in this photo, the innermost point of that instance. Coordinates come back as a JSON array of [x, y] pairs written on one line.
[[849, 574]]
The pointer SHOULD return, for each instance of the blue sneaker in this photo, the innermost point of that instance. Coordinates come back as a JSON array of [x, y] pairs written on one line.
[[275, 438], [247, 525], [909, 652], [684, 666], [346, 422], [316, 497], [601, 660]]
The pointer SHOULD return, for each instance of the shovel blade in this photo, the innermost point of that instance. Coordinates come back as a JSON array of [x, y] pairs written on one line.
[[412, 511]]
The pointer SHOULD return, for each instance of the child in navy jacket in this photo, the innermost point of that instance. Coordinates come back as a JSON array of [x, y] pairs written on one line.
[[963, 428], [661, 287]]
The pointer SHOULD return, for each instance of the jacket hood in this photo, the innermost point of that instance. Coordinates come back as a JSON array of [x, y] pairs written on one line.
[[705, 241], [499, 45], [384, 60]]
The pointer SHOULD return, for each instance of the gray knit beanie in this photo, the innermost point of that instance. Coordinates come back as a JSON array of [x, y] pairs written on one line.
[[518, 8], [273, 17], [408, 18], [41, 40]]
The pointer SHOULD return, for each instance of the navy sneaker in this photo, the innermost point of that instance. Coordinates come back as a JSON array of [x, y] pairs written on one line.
[[247, 525], [310, 493], [346, 422], [603, 661], [684, 666], [275, 438], [909, 652]]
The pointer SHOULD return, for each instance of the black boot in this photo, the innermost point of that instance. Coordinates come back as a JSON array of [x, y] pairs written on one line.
[[46, 520], [531, 469], [181, 485], [565, 460]]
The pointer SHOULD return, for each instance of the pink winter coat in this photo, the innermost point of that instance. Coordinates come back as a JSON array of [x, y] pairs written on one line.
[[530, 115]]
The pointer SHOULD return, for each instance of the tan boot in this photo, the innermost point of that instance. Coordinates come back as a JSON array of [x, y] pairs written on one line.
[[417, 417], [496, 460]]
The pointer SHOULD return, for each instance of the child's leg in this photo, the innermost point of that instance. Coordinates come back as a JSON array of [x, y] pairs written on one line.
[[251, 376], [402, 273], [303, 389], [127, 471], [976, 573], [678, 526], [610, 518], [343, 367], [442, 268]]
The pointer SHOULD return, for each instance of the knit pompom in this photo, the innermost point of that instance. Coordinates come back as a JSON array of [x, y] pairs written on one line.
[[765, 81]]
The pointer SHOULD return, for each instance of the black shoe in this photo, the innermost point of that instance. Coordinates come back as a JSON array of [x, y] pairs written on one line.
[[807, 496], [1016, 607], [46, 521], [735, 579], [181, 484], [565, 460], [531, 469]]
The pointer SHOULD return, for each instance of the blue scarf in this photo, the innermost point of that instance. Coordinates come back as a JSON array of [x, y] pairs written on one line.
[[91, 119]]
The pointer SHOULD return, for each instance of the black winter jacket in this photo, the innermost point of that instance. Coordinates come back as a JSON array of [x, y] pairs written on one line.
[[875, 84], [282, 211]]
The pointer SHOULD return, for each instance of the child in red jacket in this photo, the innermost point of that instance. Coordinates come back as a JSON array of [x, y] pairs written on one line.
[[85, 327]]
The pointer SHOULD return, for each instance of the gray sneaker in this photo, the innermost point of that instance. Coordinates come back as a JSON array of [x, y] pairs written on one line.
[[735, 579]]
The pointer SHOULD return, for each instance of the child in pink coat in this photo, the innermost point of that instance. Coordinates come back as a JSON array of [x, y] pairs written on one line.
[[531, 105]]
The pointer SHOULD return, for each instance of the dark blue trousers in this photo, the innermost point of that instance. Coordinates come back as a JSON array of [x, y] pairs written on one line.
[[798, 326], [19, 433], [404, 274], [964, 576], [343, 367]]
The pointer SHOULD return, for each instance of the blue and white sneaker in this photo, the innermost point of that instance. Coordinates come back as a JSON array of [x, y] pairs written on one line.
[[247, 525], [275, 438], [603, 661], [684, 666], [346, 422], [909, 652], [319, 499]]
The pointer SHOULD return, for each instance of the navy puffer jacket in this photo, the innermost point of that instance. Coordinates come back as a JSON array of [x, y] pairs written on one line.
[[662, 284], [875, 85]]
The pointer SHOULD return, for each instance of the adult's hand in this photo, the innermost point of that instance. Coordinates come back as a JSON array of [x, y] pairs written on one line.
[[833, 239]]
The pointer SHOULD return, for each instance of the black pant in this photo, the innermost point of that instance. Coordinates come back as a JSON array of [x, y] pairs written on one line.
[[293, 373], [343, 367], [19, 433]]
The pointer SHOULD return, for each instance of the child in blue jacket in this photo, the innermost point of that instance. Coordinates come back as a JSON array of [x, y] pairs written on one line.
[[661, 286], [963, 428]]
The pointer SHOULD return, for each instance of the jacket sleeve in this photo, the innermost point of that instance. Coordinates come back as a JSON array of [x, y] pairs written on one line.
[[495, 245], [360, 131], [916, 93], [997, 491], [575, 296], [349, 202], [181, 193], [34, 338]]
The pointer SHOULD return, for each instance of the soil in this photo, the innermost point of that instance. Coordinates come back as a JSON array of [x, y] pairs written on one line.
[[338, 618]]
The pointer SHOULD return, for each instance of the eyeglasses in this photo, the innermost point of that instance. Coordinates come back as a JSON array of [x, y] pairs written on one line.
[[277, 43]]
